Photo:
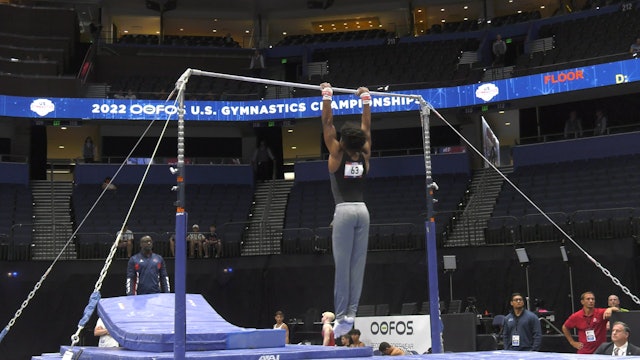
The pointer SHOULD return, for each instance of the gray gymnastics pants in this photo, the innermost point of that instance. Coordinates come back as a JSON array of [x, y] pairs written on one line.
[[350, 239]]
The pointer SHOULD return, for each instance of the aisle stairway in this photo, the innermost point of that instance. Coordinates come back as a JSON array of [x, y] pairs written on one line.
[[52, 224], [265, 228], [483, 191]]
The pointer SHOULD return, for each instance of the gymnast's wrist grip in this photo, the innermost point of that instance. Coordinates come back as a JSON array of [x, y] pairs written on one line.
[[327, 93], [366, 98]]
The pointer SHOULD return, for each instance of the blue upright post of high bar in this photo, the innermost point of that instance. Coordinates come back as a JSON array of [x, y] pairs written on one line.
[[180, 321], [430, 239]]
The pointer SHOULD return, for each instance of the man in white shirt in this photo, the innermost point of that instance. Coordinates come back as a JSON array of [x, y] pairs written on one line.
[[105, 339], [619, 345]]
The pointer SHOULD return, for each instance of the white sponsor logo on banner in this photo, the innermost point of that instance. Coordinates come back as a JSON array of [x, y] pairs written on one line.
[[410, 332]]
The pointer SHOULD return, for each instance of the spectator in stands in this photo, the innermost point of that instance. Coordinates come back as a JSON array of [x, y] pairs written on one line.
[[619, 345], [573, 126], [263, 162], [614, 301], [635, 47], [95, 30], [257, 63], [130, 95], [279, 317], [172, 245], [146, 271], [108, 184], [212, 239], [345, 340], [328, 338], [348, 165], [88, 150], [126, 240], [106, 340], [390, 350], [600, 127], [499, 49], [228, 40], [196, 240], [522, 330], [591, 323], [355, 338]]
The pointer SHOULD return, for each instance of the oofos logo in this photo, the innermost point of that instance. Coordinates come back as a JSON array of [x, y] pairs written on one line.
[[392, 327]]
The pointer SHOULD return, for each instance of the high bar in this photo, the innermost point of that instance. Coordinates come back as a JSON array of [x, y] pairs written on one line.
[[190, 72]]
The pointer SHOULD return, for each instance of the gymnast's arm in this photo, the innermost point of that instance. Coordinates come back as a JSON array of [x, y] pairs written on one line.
[[328, 129], [365, 124]]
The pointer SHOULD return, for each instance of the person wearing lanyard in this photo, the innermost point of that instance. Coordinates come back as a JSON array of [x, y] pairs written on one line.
[[521, 329], [591, 323]]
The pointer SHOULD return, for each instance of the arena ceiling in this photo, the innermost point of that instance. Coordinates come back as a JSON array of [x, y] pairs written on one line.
[[280, 17]]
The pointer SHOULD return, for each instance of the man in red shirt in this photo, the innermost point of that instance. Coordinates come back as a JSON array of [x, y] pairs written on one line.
[[591, 323]]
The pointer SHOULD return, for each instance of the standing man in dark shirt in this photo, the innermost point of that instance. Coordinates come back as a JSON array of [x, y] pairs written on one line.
[[348, 165], [263, 162], [146, 271], [521, 330]]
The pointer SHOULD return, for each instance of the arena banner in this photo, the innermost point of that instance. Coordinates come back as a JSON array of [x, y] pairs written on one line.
[[592, 76], [409, 332]]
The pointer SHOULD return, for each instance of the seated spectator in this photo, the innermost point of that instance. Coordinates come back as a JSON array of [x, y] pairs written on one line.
[[105, 338], [212, 240], [345, 340], [172, 245], [389, 349], [195, 239], [635, 47], [355, 338], [130, 95], [107, 184], [126, 240]]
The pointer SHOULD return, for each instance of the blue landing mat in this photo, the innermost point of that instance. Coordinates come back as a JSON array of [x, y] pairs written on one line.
[[146, 323], [299, 352], [290, 352]]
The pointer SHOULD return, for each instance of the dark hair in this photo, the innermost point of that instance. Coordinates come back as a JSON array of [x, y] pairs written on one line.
[[516, 294], [624, 325], [353, 138], [354, 332], [383, 346], [277, 312]]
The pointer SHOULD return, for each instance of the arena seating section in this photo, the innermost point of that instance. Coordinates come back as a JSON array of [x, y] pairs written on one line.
[[589, 199], [379, 57], [396, 206], [226, 206], [26, 34], [177, 40], [15, 222]]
